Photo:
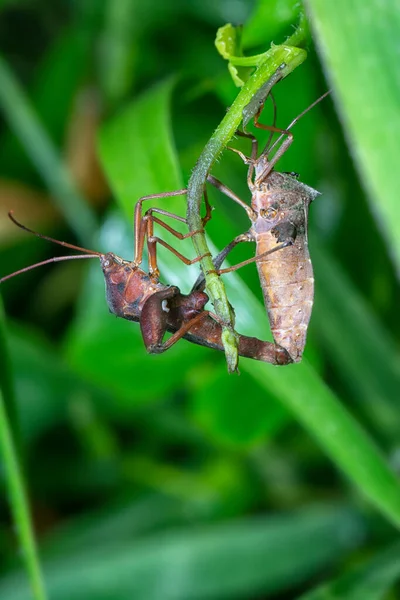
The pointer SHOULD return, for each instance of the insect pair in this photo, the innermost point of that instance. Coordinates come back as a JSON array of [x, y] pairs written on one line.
[[278, 215]]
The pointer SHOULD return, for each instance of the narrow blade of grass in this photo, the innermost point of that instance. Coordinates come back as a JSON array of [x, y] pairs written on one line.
[[359, 46], [6, 379], [358, 344], [338, 434], [24, 122], [19, 505]]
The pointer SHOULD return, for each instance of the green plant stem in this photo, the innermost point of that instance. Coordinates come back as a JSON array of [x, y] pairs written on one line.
[[24, 122], [19, 505], [277, 56], [6, 380]]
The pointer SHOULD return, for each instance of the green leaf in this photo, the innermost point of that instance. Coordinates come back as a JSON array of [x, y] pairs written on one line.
[[232, 560], [227, 41], [119, 522], [237, 411], [138, 156], [120, 49], [137, 150], [358, 42], [228, 44]]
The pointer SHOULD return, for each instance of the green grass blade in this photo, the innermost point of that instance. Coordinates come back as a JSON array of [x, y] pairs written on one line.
[[6, 379], [359, 45], [120, 49], [23, 120], [51, 93], [363, 351], [19, 505], [338, 434]]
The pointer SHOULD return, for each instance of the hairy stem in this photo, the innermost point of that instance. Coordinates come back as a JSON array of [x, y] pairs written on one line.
[[284, 58]]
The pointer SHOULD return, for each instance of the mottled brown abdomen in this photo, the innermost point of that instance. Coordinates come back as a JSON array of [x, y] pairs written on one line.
[[287, 282]]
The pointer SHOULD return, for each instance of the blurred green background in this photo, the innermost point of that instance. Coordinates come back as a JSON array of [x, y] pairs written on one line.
[[162, 477]]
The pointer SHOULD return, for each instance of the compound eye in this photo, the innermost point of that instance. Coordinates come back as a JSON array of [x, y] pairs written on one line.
[[268, 213]]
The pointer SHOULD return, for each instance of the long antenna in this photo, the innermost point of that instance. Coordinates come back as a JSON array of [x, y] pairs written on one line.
[[50, 239], [46, 262], [295, 120], [87, 253]]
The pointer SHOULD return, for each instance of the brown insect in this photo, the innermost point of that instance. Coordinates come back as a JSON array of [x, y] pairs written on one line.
[[135, 295], [279, 218]]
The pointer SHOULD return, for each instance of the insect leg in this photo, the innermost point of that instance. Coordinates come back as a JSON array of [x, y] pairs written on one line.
[[279, 153], [206, 331], [285, 145], [219, 259], [159, 314], [152, 241], [141, 226], [255, 258], [254, 142], [183, 330], [181, 236], [139, 230], [167, 213], [228, 192], [153, 318], [252, 159]]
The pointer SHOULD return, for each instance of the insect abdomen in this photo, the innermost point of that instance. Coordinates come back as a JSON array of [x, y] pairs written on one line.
[[288, 286]]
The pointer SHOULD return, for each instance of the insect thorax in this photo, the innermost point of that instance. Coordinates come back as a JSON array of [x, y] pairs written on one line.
[[281, 191]]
